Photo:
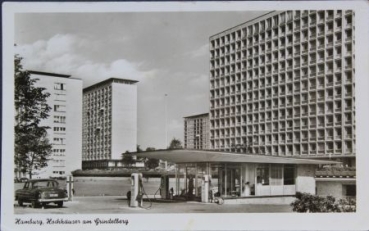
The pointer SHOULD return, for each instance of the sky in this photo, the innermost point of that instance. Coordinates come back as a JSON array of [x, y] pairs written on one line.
[[167, 52]]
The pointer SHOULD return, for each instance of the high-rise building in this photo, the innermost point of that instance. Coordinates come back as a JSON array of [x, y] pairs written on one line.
[[109, 122], [196, 131], [65, 122], [283, 84]]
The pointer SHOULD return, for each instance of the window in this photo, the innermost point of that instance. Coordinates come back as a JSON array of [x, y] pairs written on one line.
[[59, 129], [276, 176], [59, 119], [289, 16], [59, 108], [262, 174], [349, 190], [289, 174], [59, 86]]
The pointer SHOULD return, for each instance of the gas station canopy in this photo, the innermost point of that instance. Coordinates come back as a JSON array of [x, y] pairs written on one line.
[[202, 156]]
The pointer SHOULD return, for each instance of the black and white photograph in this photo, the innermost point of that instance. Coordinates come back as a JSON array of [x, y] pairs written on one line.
[[183, 114]]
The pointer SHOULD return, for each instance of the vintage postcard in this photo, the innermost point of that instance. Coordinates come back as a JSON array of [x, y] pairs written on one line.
[[185, 116]]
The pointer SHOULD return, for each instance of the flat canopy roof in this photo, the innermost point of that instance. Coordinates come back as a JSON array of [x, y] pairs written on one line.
[[201, 156]]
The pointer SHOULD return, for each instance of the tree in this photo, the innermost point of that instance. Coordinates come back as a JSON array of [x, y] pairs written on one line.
[[150, 149], [138, 149], [151, 163], [175, 144], [127, 159], [31, 146]]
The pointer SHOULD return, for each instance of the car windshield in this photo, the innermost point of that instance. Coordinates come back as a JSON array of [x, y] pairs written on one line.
[[44, 184]]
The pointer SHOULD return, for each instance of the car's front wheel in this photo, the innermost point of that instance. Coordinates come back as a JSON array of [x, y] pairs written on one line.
[[60, 204], [20, 202]]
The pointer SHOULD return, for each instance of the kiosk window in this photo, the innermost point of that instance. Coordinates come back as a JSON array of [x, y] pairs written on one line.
[[350, 190], [262, 174], [276, 176], [289, 174]]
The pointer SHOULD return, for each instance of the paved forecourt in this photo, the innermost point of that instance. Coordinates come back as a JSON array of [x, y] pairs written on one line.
[[118, 204]]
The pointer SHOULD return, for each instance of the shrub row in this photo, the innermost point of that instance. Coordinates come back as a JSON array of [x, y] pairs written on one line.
[[306, 203]]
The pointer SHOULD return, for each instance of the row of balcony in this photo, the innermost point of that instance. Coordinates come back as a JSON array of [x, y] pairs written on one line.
[[288, 69], [255, 31], [282, 147], [268, 87], [280, 47], [267, 121], [311, 114], [229, 68], [296, 114], [260, 41], [269, 96], [227, 82], [276, 58], [282, 141], [297, 39]]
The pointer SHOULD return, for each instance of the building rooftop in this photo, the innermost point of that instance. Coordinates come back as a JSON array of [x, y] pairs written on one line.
[[201, 156], [198, 115], [48, 74], [109, 80], [240, 25]]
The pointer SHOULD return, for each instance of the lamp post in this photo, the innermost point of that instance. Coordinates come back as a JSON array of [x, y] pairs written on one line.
[[166, 125], [166, 128]]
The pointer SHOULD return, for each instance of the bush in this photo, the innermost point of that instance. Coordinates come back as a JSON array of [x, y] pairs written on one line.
[[306, 203]]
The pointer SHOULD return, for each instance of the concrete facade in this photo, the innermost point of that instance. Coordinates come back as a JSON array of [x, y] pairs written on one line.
[[65, 122], [109, 121], [124, 119], [335, 187], [284, 83], [196, 131], [272, 200], [305, 179]]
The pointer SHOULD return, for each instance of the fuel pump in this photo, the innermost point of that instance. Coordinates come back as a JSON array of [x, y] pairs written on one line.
[[70, 187], [205, 187], [164, 187], [136, 190]]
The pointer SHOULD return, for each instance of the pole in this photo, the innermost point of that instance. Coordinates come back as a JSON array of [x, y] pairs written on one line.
[[166, 129], [166, 125]]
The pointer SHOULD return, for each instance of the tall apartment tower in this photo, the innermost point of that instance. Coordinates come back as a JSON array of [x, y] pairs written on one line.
[[109, 122], [283, 84], [196, 131], [65, 122]]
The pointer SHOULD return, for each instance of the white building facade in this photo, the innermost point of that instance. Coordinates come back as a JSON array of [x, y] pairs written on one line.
[[283, 85], [109, 122], [65, 122]]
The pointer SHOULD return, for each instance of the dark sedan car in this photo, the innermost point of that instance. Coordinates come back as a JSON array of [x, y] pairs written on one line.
[[41, 192]]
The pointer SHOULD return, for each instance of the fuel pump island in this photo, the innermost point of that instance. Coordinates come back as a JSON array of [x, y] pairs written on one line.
[[136, 195]]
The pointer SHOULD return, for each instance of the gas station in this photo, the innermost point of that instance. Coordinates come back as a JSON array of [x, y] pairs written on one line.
[[236, 178]]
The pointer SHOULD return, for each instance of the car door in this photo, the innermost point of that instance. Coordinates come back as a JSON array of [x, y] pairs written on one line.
[[22, 193]]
